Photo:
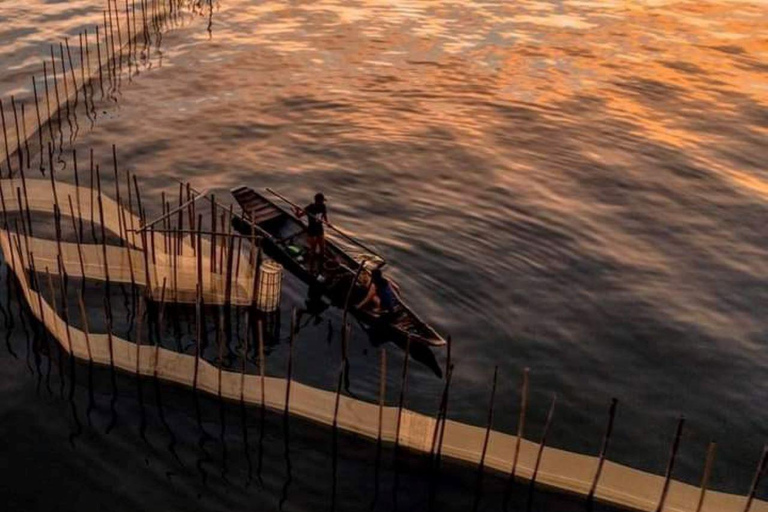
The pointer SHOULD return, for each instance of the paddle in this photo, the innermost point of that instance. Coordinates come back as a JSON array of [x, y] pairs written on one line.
[[337, 230]]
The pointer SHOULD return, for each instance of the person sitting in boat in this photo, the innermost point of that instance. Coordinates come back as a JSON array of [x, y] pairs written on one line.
[[316, 213], [382, 292]]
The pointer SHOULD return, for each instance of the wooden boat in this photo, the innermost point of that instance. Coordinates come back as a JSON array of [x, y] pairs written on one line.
[[341, 279]]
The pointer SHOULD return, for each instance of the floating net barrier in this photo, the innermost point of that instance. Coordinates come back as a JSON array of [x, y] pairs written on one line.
[[138, 263], [150, 266]]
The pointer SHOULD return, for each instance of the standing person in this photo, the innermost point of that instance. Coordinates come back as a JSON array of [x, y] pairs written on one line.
[[316, 213]]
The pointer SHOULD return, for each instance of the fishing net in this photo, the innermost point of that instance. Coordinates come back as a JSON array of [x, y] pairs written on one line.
[[176, 277]]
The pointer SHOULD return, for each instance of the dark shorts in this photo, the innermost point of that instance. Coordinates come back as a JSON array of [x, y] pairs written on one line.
[[315, 231]]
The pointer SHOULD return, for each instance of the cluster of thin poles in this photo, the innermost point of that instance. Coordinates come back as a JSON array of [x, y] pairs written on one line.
[[127, 37]]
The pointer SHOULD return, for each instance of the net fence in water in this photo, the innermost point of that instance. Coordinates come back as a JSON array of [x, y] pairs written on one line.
[[194, 268]]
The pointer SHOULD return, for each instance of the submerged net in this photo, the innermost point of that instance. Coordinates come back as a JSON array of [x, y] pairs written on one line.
[[175, 276]]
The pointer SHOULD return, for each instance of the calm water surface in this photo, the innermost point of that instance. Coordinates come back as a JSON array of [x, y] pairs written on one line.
[[576, 187]]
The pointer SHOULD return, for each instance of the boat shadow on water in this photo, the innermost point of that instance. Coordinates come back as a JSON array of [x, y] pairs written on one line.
[[312, 313]]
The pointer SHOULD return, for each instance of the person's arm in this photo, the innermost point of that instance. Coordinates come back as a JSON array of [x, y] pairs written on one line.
[[368, 297], [299, 212]]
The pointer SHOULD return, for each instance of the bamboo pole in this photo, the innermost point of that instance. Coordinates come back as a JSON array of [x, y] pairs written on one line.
[[486, 439], [400, 405], [542, 445], [706, 474], [603, 450], [26, 138], [64, 79], [98, 57], [56, 88], [93, 200], [72, 71], [77, 196], [47, 105], [82, 74], [671, 464], [436, 450], [289, 373], [213, 234], [86, 330], [382, 392], [39, 121], [19, 154], [88, 66], [5, 139], [77, 239], [762, 467], [520, 423]]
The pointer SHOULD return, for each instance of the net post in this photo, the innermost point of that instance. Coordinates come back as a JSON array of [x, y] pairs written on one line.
[[66, 84], [26, 138], [671, 464], [762, 467], [39, 121], [79, 231], [708, 463], [19, 154], [213, 234], [603, 450], [289, 373], [77, 241], [542, 445], [486, 439], [438, 436], [120, 220], [47, 105], [524, 389], [56, 88], [400, 406], [72, 71], [5, 139]]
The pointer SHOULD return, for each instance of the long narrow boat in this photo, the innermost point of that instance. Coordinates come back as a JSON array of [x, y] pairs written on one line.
[[341, 279]]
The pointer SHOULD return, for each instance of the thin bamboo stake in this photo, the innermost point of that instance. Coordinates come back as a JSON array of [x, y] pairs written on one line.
[[56, 88], [671, 464], [47, 105], [520, 422], [603, 449], [77, 239], [5, 140], [19, 154], [382, 391], [542, 445], [77, 195], [64, 76], [707, 473], [24, 131], [72, 70], [486, 439], [86, 330], [213, 235], [39, 122], [98, 57], [762, 467], [289, 373], [262, 364]]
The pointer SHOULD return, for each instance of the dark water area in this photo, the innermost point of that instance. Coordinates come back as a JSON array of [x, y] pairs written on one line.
[[575, 187]]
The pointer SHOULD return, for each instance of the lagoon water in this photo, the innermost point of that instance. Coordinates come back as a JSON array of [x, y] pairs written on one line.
[[572, 186]]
